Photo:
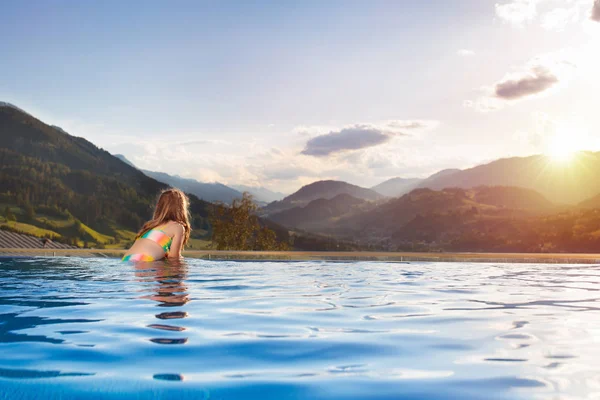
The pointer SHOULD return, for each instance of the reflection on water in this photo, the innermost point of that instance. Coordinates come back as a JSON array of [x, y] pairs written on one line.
[[169, 291], [73, 328]]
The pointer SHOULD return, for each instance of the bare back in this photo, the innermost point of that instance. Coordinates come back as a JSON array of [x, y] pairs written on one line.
[[148, 247]]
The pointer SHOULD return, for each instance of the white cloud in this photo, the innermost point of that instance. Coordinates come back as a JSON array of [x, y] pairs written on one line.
[[518, 11], [558, 18], [465, 52], [552, 15]]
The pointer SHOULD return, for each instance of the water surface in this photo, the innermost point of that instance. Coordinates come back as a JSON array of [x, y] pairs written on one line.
[[98, 328]]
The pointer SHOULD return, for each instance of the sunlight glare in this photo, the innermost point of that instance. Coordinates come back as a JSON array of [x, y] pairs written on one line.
[[567, 140]]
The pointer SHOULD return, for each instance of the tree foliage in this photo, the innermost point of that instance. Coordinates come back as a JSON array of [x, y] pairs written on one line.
[[237, 227], [8, 214]]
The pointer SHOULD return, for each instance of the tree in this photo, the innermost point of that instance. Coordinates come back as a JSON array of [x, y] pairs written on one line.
[[236, 227], [8, 214], [29, 211]]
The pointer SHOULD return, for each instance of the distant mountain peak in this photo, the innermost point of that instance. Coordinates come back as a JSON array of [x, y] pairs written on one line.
[[331, 188], [568, 183], [444, 172], [211, 192], [260, 193], [396, 186], [319, 213], [325, 189], [10, 105], [58, 128], [124, 159]]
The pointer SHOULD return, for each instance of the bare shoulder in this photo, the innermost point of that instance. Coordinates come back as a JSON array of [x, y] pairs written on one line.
[[174, 227]]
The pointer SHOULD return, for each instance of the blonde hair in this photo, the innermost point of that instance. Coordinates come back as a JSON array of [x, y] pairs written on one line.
[[172, 205]]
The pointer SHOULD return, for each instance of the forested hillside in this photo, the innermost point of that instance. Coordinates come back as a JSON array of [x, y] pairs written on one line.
[[64, 187]]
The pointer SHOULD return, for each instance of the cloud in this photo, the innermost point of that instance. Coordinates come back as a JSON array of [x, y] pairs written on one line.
[[534, 81], [558, 18], [596, 11], [465, 52], [202, 142], [545, 12], [360, 136], [540, 76], [484, 104], [352, 138], [394, 125], [518, 11]]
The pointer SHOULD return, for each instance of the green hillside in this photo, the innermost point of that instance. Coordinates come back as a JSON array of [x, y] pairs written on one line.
[[56, 185]]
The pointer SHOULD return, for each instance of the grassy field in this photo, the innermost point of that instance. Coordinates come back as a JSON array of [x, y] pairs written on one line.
[[198, 244], [58, 222], [97, 236], [55, 226], [29, 229]]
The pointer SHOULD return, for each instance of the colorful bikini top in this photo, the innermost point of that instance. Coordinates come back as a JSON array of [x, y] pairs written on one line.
[[159, 236]]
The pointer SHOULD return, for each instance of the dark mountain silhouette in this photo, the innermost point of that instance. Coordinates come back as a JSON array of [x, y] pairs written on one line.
[[568, 183], [496, 219], [396, 187], [321, 190], [381, 221], [318, 213]]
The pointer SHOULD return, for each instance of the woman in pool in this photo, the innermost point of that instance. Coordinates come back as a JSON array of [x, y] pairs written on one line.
[[166, 233]]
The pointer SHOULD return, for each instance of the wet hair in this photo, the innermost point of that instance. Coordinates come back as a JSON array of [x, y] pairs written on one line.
[[172, 205]]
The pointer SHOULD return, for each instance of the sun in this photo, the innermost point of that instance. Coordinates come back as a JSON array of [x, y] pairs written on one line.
[[565, 143], [561, 148]]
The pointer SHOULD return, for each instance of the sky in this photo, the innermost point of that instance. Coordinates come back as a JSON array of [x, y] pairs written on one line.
[[280, 94]]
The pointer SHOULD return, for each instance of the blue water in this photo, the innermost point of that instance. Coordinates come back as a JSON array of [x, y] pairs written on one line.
[[96, 328]]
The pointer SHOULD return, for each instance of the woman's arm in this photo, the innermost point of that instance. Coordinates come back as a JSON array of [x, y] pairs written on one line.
[[177, 243]]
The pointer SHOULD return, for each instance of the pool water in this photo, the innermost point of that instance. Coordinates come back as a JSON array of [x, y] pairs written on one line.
[[97, 328]]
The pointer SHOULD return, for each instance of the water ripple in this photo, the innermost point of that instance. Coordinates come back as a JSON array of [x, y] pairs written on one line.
[[74, 328]]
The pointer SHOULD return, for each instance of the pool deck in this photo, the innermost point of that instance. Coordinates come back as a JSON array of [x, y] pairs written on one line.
[[554, 258]]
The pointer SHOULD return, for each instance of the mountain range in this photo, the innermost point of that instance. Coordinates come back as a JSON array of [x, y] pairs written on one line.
[[327, 189], [260, 194], [320, 213], [63, 186], [567, 183], [493, 219], [563, 182], [211, 192], [397, 186], [344, 213]]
